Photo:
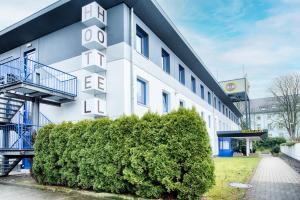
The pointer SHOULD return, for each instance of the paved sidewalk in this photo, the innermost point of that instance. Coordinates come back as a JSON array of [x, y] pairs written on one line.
[[274, 180]]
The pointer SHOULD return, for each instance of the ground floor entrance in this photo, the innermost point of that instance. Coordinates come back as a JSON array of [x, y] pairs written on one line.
[[240, 141]]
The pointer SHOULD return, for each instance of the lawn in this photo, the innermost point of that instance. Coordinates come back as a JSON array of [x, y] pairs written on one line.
[[235, 169]]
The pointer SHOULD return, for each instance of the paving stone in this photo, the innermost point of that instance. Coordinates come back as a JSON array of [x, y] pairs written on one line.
[[274, 180]]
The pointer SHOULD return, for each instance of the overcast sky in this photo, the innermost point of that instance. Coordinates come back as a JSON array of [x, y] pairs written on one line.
[[232, 37]]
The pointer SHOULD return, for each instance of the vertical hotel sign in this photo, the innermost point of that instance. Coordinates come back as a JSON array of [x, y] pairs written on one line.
[[94, 38]]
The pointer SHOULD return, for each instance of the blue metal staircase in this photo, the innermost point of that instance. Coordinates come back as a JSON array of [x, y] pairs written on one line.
[[24, 82]]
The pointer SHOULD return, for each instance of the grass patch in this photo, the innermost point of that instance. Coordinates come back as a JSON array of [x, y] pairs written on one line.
[[235, 169]]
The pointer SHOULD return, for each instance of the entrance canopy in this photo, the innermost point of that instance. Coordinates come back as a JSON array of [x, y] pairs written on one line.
[[225, 140], [254, 134]]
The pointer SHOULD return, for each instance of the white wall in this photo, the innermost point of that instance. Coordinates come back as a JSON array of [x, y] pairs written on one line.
[[291, 151], [268, 121]]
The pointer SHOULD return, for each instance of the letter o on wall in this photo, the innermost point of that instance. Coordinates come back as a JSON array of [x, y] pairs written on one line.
[[88, 35], [100, 36]]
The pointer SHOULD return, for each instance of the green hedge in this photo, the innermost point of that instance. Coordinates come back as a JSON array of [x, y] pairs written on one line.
[[155, 156], [269, 142]]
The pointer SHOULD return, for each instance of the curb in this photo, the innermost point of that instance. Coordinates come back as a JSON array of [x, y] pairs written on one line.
[[72, 191]]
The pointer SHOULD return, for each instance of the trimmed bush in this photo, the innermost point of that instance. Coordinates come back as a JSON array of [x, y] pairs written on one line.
[[275, 149], [166, 156], [269, 143]]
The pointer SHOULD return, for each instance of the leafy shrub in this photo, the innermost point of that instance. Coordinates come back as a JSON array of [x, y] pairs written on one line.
[[156, 156], [275, 149], [269, 143]]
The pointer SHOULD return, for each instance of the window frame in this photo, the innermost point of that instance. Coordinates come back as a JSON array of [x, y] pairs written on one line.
[[145, 93], [181, 74], [144, 41], [166, 94], [209, 97], [202, 91], [165, 55], [193, 84]]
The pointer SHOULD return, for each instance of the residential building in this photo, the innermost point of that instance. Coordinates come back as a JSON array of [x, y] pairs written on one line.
[[265, 115]]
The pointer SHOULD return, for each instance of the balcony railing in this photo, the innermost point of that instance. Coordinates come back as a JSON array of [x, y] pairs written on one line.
[[35, 73]]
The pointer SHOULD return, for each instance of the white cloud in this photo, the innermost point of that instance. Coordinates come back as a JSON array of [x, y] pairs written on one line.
[[267, 48]]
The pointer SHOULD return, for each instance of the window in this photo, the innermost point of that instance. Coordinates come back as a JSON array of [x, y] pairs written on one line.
[[269, 116], [226, 111], [142, 41], [141, 92], [219, 103], [215, 102], [202, 115], [258, 117], [181, 103], [202, 91], [209, 97], [193, 82], [258, 126], [270, 126], [181, 75], [223, 109], [209, 123], [165, 61], [224, 144], [165, 97]]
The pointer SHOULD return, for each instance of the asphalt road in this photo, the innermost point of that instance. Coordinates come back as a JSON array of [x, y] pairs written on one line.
[[8, 192]]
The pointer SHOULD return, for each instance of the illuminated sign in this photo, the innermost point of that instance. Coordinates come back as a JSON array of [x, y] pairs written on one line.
[[235, 86], [230, 86]]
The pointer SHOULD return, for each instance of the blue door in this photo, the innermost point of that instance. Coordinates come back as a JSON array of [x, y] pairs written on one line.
[[225, 149]]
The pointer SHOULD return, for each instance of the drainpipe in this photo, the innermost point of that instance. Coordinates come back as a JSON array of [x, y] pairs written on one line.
[[131, 62]]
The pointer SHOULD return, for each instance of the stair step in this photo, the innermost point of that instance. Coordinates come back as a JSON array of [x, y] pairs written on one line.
[[11, 99], [10, 104], [16, 110]]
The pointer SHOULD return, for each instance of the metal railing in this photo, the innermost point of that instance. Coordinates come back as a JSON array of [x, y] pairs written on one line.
[[35, 73], [17, 136]]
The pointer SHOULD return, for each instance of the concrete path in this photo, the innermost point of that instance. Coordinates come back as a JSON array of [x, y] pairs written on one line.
[[274, 180], [10, 192]]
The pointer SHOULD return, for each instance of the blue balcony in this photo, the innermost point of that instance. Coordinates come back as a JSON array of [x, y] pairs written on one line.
[[33, 79]]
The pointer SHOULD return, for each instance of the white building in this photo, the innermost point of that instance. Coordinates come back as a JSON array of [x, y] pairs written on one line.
[[120, 57], [264, 115]]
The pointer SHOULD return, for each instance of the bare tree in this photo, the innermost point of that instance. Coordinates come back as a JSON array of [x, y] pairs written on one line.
[[286, 90]]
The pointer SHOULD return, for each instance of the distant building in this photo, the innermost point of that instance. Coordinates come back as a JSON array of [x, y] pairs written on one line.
[[264, 115]]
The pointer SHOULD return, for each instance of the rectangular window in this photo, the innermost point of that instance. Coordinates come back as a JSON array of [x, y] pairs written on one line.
[[215, 102], [202, 91], [193, 82], [181, 75], [219, 103], [181, 103], [202, 115], [142, 41], [209, 98], [141, 92], [223, 109], [209, 123], [165, 97], [165, 61], [226, 111]]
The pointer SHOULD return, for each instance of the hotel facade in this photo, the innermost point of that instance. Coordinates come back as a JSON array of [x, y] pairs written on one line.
[[77, 60]]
